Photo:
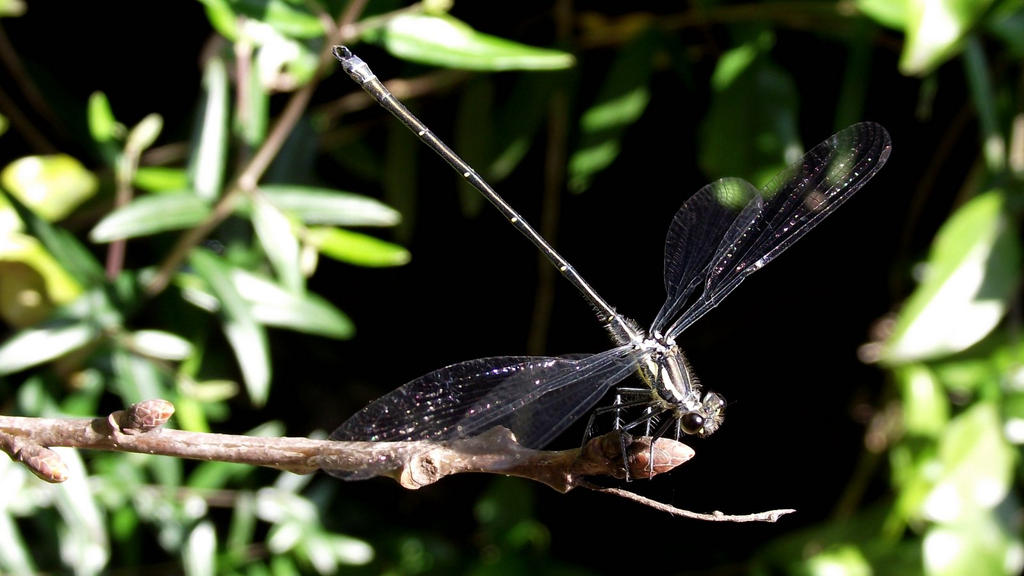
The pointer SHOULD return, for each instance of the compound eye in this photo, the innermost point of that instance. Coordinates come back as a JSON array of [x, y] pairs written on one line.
[[692, 422]]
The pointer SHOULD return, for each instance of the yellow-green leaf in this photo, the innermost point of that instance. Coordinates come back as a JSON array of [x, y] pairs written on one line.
[[52, 186], [356, 248]]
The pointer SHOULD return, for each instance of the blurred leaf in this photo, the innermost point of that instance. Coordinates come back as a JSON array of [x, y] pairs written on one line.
[[144, 134], [103, 127], [754, 138], [246, 337], [160, 344], [356, 248], [9, 8], [291, 18], [136, 378], [889, 13], [252, 118], [198, 554], [934, 29], [307, 312], [279, 244], [1006, 22], [324, 206], [519, 119], [441, 40], [148, 215], [977, 545], [977, 466], [842, 561], [620, 102], [84, 542], [160, 179], [61, 288], [473, 137], [4, 124], [51, 186], [209, 150], [15, 558], [972, 271], [925, 406], [44, 343]]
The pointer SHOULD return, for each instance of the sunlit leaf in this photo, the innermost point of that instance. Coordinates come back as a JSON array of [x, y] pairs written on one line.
[[145, 133], [279, 244], [137, 378], [325, 206], [147, 215], [160, 179], [85, 544], [18, 248], [11, 8], [293, 19], [103, 127], [934, 29], [51, 186], [306, 312], [44, 343], [209, 149], [980, 544], [925, 405], [441, 40], [160, 344], [752, 138], [890, 13], [977, 466], [620, 102], [972, 271], [356, 248], [199, 553], [246, 336]]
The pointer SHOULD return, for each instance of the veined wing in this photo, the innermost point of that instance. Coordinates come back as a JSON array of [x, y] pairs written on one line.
[[535, 397], [792, 204]]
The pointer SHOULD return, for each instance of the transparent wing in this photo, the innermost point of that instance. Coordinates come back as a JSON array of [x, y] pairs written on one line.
[[535, 397], [773, 219]]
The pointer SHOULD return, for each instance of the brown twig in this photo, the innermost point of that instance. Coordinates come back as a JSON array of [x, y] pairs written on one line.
[[412, 464]]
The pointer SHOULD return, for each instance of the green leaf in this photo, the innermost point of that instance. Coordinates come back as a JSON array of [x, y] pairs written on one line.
[[103, 127], [356, 248], [51, 186], [209, 151], [889, 13], [44, 343], [445, 41], [252, 118], [334, 207], [976, 466], [60, 287], [199, 552], [160, 344], [754, 138], [1006, 22], [137, 378], [972, 272], [934, 30], [147, 215], [279, 244], [306, 312], [925, 405], [981, 544], [85, 544], [9, 8], [620, 102], [144, 134], [61, 244], [160, 179], [246, 337], [290, 18]]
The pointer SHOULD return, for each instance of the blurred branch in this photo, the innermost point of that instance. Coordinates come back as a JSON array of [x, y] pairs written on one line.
[[412, 464]]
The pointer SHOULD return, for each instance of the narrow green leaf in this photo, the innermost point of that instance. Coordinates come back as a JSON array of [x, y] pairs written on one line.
[[252, 118], [441, 40], [979, 81], [160, 179], [52, 186], [246, 337], [980, 544], [620, 102], [972, 272], [44, 343], [15, 558], [304, 312], [209, 150], [102, 124], [144, 134], [279, 244], [334, 207], [198, 554], [890, 13], [356, 248], [160, 344], [925, 404], [750, 138], [137, 378], [85, 544], [147, 215]]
